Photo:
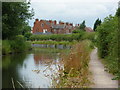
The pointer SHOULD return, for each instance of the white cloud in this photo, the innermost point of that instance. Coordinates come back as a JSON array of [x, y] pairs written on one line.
[[73, 10], [64, 1]]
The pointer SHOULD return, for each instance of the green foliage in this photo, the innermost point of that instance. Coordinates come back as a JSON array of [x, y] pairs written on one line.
[[89, 36], [118, 12], [54, 42], [78, 31], [106, 35], [6, 48], [96, 24], [27, 35], [14, 16], [25, 29], [82, 25], [62, 37], [107, 42], [56, 37], [17, 45]]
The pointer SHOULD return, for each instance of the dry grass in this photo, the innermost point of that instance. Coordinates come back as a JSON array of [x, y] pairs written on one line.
[[75, 72]]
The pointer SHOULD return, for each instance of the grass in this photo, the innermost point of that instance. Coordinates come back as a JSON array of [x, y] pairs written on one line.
[[13, 46], [75, 72], [112, 66]]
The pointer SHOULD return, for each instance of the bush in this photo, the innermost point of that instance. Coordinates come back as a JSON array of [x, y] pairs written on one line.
[[107, 42], [89, 36], [56, 37], [27, 35], [78, 31], [6, 48], [18, 44], [14, 46]]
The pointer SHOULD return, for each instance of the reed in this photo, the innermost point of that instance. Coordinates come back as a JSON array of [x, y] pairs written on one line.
[[75, 72]]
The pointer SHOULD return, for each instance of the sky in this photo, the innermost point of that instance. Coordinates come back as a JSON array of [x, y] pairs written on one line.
[[73, 11]]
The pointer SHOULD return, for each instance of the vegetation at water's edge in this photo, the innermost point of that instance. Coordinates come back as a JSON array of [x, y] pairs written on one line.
[[108, 43], [77, 35], [14, 25], [54, 42], [15, 46], [75, 73]]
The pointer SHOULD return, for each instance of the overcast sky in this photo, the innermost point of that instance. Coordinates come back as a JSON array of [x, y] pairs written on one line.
[[73, 11]]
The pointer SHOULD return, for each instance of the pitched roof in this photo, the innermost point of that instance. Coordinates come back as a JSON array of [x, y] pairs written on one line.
[[89, 29], [58, 26]]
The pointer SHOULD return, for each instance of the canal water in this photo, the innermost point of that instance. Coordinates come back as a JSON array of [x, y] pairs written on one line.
[[35, 69]]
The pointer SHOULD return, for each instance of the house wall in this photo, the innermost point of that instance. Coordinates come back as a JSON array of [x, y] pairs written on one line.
[[40, 26]]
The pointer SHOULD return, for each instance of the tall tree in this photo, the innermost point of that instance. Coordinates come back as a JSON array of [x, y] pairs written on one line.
[[82, 25], [14, 16], [96, 24]]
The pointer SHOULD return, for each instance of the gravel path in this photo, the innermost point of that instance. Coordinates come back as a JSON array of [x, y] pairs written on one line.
[[101, 78]]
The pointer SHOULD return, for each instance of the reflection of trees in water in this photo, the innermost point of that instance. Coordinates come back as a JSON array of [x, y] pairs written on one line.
[[9, 68]]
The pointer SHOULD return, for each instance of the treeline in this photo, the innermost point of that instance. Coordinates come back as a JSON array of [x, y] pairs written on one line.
[[15, 28], [108, 43]]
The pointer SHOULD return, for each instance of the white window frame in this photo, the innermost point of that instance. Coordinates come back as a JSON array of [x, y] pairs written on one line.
[[44, 30]]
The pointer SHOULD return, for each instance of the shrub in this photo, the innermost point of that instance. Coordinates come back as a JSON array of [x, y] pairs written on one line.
[[107, 42], [6, 48], [56, 37], [17, 45], [78, 31]]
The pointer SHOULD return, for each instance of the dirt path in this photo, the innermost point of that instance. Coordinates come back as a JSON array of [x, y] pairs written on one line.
[[101, 78]]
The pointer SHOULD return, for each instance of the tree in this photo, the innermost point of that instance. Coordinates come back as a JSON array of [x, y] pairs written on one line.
[[14, 16], [82, 25], [25, 29], [118, 12], [96, 24]]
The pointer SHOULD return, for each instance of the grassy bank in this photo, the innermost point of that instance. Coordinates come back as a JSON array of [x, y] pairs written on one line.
[[15, 46], [75, 72]]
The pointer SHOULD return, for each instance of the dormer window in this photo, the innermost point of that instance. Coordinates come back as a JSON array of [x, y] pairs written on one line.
[[42, 25]]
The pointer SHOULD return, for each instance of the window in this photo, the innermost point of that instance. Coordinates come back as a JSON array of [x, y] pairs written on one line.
[[44, 30], [42, 25]]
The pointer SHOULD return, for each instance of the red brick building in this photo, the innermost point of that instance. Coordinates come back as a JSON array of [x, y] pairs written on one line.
[[51, 27]]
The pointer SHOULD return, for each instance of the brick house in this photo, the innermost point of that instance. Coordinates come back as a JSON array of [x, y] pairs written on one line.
[[51, 27]]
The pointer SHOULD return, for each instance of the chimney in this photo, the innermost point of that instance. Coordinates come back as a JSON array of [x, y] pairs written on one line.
[[50, 21], [36, 20], [41, 20], [71, 24], [55, 22], [67, 23], [61, 23]]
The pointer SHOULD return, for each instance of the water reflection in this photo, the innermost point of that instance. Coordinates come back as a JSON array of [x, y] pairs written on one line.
[[32, 70]]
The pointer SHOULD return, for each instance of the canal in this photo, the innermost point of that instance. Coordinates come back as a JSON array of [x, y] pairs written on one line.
[[34, 69]]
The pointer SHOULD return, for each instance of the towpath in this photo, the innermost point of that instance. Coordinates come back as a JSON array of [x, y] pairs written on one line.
[[100, 77]]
